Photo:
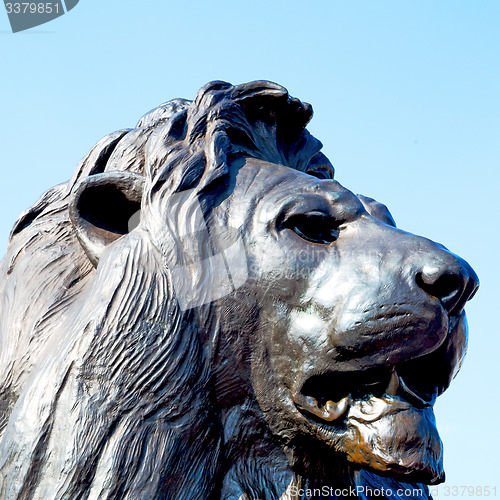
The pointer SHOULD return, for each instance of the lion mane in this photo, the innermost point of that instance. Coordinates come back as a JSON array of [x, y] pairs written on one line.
[[72, 335], [106, 384]]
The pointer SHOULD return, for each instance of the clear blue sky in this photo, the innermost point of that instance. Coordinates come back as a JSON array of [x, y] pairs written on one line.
[[407, 103]]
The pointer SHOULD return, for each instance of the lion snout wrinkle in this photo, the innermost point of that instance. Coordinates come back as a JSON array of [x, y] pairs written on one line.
[[435, 270]]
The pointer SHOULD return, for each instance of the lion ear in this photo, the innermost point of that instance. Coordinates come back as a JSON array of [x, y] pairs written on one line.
[[104, 207], [377, 210]]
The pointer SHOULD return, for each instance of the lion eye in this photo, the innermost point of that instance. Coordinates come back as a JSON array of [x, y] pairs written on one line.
[[315, 227]]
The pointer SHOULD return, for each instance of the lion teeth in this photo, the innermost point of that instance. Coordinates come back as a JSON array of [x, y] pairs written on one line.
[[335, 410], [397, 386], [393, 386], [373, 406], [406, 389], [329, 412], [304, 402]]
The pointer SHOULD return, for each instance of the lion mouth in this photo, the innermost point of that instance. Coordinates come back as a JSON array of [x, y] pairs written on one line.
[[330, 396], [377, 419]]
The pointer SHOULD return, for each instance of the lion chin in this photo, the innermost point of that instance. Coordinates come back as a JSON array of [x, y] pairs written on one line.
[[204, 312], [386, 433]]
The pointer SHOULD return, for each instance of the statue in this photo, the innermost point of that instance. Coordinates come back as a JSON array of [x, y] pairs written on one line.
[[203, 312]]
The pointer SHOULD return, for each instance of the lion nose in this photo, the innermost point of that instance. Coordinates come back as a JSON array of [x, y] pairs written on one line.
[[453, 283]]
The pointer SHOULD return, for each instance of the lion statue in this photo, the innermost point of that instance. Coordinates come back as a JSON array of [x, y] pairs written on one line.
[[203, 312]]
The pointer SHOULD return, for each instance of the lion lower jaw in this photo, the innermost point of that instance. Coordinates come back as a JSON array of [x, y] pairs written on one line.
[[380, 432], [388, 435], [397, 438]]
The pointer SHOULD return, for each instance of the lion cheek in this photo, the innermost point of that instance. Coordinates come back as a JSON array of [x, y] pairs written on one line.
[[405, 444]]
